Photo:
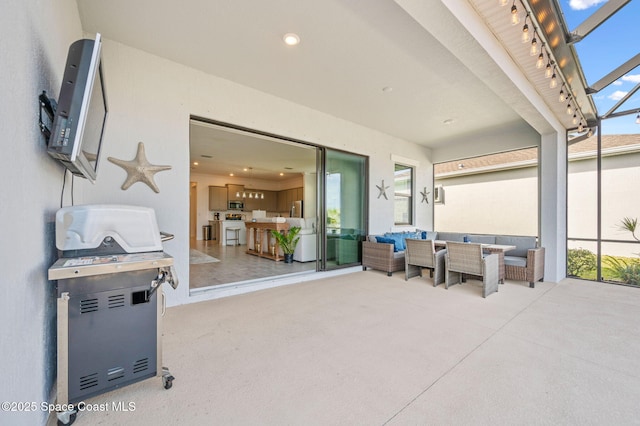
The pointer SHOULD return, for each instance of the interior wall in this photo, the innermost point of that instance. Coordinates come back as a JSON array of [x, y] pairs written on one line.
[[34, 39], [151, 101]]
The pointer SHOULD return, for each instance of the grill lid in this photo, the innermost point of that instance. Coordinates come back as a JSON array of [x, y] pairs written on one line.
[[86, 227]]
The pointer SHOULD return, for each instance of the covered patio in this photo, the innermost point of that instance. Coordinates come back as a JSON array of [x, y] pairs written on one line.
[[364, 348]]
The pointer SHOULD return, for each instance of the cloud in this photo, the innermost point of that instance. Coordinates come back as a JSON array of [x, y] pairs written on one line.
[[584, 4], [632, 78], [617, 83], [617, 95]]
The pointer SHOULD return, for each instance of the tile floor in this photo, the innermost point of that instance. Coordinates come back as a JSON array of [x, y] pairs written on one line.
[[236, 266]]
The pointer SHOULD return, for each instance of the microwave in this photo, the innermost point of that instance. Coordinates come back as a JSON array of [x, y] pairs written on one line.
[[236, 205]]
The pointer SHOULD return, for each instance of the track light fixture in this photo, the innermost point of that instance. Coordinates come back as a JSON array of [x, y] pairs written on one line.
[[561, 98], [547, 70], [580, 127], [503, 2], [515, 19], [569, 109], [575, 119]]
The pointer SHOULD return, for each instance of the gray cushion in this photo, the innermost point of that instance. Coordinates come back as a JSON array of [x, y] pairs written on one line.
[[398, 254], [431, 235], [522, 244], [451, 236], [482, 239], [515, 261]]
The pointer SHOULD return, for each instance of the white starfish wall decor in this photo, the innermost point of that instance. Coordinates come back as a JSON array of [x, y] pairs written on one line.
[[139, 169], [383, 190], [425, 195]]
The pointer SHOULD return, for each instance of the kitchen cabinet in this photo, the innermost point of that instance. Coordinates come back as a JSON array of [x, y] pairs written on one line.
[[286, 198], [252, 204], [268, 203], [232, 190], [217, 198]]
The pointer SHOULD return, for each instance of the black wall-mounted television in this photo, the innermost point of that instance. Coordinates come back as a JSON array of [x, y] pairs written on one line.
[[81, 114]]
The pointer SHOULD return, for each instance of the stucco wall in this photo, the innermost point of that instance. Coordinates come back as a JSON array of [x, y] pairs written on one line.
[[34, 39], [503, 202], [619, 199]]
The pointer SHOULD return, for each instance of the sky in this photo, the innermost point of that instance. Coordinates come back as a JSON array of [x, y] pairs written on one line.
[[607, 47]]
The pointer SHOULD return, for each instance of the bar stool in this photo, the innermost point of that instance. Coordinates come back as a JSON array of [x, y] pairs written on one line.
[[235, 235]]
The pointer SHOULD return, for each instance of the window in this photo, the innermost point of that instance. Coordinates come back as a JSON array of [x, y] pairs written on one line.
[[403, 195]]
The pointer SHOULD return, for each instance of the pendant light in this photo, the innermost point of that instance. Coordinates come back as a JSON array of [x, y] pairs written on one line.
[[554, 81], [515, 19], [540, 61], [534, 45], [525, 30]]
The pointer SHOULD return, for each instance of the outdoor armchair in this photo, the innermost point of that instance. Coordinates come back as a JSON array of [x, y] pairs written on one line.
[[422, 254], [467, 259]]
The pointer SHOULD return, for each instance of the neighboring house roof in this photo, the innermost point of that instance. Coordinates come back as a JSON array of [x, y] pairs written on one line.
[[528, 157]]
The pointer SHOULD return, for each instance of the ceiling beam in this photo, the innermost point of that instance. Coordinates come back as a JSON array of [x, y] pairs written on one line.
[[614, 75], [595, 20]]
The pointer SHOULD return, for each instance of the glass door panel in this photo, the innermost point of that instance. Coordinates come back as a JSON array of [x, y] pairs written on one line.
[[345, 207]]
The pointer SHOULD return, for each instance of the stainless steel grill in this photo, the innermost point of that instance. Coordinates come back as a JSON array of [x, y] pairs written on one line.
[[109, 312]]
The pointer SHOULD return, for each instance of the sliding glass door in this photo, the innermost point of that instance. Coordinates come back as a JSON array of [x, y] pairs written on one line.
[[343, 196]]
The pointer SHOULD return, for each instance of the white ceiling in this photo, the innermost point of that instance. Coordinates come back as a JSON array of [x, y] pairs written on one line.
[[350, 50]]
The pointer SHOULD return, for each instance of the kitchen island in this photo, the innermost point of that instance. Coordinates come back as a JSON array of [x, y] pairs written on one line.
[[225, 224], [259, 239]]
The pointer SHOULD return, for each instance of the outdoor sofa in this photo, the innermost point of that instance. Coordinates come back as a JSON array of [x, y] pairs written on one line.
[[385, 252]]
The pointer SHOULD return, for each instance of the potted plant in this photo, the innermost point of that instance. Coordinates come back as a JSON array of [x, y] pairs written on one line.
[[287, 242]]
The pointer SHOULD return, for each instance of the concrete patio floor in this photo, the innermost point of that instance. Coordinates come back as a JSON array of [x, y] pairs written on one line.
[[369, 349]]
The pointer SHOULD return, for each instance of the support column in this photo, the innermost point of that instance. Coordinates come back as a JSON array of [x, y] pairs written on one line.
[[553, 205]]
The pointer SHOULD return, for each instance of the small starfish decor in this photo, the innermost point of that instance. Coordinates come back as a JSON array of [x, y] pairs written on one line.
[[383, 190], [425, 195], [139, 169]]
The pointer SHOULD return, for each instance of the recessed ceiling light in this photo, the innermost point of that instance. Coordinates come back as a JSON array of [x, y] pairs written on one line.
[[291, 39], [230, 174], [195, 163], [448, 121], [281, 174]]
